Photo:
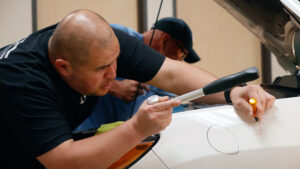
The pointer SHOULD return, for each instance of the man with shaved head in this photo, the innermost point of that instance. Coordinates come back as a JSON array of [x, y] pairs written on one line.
[[50, 82], [85, 39]]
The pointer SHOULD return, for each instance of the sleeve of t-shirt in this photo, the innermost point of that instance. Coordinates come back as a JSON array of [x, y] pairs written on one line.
[[127, 30], [137, 61], [34, 118]]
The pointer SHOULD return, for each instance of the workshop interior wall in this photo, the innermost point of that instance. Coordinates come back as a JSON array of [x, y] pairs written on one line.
[[16, 21], [224, 45], [114, 11], [167, 10]]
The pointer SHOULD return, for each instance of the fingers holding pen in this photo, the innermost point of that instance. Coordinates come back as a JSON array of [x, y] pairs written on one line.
[[263, 101], [165, 104], [243, 100], [270, 100], [152, 118]]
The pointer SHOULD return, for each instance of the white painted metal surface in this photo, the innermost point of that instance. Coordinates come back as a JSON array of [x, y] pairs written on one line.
[[293, 6], [218, 137]]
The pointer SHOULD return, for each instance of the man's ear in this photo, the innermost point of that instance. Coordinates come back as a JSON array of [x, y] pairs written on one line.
[[164, 40], [63, 67]]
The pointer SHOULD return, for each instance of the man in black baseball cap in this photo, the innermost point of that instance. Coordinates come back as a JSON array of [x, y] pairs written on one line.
[[182, 35]]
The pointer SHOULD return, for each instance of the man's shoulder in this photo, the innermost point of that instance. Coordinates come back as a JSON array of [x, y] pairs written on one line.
[[26, 81], [26, 59], [26, 73], [127, 30]]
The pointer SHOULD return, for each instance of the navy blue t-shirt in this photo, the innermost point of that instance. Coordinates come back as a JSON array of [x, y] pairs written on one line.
[[38, 110]]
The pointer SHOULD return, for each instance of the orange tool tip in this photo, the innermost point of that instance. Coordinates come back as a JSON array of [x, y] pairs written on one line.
[[252, 102]]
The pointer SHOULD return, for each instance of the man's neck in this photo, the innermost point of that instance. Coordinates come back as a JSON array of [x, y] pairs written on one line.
[[146, 38]]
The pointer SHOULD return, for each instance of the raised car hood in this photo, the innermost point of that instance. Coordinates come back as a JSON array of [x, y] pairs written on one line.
[[275, 23]]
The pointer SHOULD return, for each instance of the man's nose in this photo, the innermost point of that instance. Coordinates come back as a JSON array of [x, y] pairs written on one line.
[[111, 71]]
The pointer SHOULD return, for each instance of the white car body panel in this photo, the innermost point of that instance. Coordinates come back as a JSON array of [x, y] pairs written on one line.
[[217, 137]]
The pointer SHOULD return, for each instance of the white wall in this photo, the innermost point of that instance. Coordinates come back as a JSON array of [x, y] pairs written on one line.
[[16, 20], [224, 44], [152, 10], [277, 70], [123, 12]]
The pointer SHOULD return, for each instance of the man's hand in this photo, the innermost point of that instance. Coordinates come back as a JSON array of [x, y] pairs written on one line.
[[96, 151], [126, 89], [151, 119], [241, 95]]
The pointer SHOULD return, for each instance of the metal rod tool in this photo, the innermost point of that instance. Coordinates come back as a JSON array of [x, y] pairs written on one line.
[[216, 86]]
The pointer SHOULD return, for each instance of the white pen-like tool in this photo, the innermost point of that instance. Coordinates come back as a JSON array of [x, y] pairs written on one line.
[[216, 86]]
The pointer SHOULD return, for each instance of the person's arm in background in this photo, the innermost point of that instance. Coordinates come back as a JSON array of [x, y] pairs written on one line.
[[179, 77], [126, 89]]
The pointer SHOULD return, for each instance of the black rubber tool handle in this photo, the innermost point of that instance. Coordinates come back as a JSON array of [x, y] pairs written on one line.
[[230, 81]]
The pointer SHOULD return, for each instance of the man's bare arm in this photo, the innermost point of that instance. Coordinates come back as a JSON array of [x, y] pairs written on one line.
[[180, 77]]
